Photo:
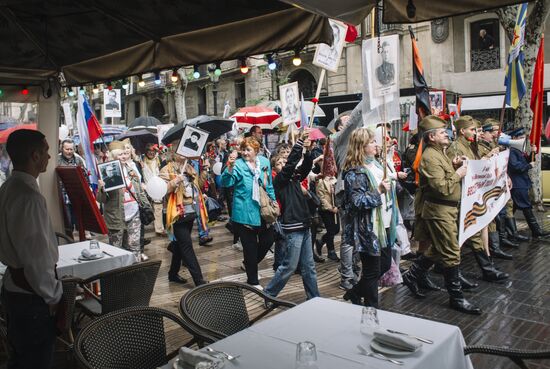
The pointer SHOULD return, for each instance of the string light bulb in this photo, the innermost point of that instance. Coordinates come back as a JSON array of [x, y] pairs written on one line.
[[141, 82], [196, 73], [296, 60], [174, 78], [81, 90], [109, 86], [218, 70], [95, 90], [271, 62], [24, 91], [157, 78], [244, 66], [70, 92], [125, 84]]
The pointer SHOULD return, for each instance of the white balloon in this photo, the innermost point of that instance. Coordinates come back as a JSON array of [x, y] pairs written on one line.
[[217, 168], [63, 132], [156, 188]]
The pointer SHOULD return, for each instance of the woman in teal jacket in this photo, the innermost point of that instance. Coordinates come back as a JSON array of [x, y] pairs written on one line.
[[245, 175]]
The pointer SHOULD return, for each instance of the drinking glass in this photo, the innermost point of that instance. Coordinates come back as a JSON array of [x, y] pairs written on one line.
[[369, 320], [306, 355], [94, 245]]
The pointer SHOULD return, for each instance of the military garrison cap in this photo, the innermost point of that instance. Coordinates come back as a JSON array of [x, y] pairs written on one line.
[[491, 121], [464, 121], [488, 127], [431, 122]]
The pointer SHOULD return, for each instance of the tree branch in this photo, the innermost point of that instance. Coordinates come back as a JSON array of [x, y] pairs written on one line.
[[507, 17]]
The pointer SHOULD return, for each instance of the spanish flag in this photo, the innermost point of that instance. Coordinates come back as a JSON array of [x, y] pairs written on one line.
[[515, 85]]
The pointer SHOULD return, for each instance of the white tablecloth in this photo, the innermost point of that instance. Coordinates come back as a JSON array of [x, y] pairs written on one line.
[[333, 327], [69, 264]]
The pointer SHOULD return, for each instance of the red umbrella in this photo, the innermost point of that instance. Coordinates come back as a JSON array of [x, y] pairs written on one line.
[[256, 116], [5, 134], [316, 134]]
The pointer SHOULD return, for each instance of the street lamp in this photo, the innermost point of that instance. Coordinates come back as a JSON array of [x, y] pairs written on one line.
[[214, 78]]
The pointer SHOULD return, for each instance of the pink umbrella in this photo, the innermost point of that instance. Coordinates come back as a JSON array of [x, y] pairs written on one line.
[[256, 116]]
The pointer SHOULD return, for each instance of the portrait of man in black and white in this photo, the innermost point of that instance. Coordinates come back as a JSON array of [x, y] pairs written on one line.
[[111, 174], [192, 142], [327, 56], [111, 103], [290, 103], [385, 71]]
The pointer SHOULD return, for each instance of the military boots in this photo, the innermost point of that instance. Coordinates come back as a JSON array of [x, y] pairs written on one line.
[[490, 273], [456, 297], [534, 226]]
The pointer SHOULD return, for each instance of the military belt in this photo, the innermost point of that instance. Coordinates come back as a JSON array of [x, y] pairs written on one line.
[[453, 204]]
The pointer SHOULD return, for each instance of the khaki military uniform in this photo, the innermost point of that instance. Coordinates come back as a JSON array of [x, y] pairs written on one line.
[[462, 147], [441, 191]]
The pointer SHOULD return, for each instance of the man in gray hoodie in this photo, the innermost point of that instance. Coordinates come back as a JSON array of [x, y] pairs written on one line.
[[345, 125]]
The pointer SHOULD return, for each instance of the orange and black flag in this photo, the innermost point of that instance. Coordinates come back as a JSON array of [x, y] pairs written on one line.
[[419, 82]]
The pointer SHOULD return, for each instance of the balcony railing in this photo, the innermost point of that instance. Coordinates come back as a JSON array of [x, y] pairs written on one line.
[[485, 59]]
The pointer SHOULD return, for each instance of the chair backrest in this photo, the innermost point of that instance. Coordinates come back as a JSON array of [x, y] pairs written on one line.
[[67, 303], [132, 338], [221, 309], [63, 239], [128, 286]]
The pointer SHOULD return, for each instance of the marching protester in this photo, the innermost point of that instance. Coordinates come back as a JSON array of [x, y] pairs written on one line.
[[364, 225], [518, 170], [440, 182], [151, 168], [246, 175], [295, 221], [31, 291], [182, 202], [460, 150], [121, 206]]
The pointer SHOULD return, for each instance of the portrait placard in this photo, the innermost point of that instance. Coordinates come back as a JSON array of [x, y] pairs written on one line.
[[192, 142], [437, 101], [111, 103], [385, 62], [111, 174], [290, 103], [327, 56], [162, 129]]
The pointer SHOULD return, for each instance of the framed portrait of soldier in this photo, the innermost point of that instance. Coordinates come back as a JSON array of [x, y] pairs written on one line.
[[290, 103], [437, 101], [192, 142], [111, 174], [326, 56], [111, 103], [385, 66]]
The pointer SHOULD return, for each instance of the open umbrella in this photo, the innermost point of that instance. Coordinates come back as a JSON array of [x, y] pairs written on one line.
[[316, 134], [260, 116], [213, 125], [5, 133], [308, 105], [139, 138], [145, 122]]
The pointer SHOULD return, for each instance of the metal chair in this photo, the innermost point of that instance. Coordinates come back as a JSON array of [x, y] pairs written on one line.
[[120, 288], [220, 309], [132, 338], [517, 356]]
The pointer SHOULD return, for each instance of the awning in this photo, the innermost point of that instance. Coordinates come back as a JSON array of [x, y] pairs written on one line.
[[482, 103]]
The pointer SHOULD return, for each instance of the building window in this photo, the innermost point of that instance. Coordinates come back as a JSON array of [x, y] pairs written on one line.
[[137, 110], [240, 93], [484, 45], [201, 94]]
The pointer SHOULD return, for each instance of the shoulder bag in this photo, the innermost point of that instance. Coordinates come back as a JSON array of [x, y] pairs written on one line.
[[269, 209]]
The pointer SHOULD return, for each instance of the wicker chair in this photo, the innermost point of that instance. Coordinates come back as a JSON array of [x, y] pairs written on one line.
[[67, 305], [132, 338], [220, 309], [517, 356], [63, 239], [120, 288]]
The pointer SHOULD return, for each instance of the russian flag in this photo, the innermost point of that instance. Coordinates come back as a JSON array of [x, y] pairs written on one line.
[[89, 130]]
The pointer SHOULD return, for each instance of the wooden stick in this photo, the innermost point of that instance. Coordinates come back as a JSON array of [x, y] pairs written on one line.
[[317, 93]]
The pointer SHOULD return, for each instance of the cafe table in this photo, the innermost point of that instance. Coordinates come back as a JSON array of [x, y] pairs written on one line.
[[334, 328], [70, 264]]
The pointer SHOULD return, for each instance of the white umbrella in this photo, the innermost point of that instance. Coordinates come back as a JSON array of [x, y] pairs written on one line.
[[276, 105]]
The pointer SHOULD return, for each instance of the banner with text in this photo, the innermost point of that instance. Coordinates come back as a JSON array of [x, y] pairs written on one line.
[[485, 192]]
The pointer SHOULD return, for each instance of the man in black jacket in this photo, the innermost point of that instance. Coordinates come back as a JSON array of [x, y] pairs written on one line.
[[295, 221]]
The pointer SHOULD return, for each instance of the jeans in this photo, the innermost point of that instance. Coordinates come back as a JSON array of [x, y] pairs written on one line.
[[256, 243], [31, 331], [184, 250], [298, 253], [368, 284]]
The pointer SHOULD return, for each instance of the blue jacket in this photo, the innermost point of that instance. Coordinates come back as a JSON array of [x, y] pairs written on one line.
[[245, 210], [518, 169]]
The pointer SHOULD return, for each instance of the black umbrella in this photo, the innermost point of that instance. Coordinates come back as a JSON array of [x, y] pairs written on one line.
[[139, 138], [213, 125], [144, 122]]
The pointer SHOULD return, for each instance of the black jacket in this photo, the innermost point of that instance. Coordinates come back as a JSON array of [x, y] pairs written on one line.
[[295, 210]]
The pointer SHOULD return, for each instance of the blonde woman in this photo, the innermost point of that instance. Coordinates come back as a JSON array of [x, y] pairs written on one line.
[[121, 207], [364, 229]]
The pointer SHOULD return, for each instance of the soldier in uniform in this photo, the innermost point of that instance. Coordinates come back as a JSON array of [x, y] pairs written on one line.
[[466, 128], [441, 191], [518, 170], [487, 147]]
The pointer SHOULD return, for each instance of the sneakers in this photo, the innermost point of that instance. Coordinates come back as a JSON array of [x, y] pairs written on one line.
[[332, 256], [238, 246], [345, 285], [177, 279], [258, 287], [144, 257], [203, 241]]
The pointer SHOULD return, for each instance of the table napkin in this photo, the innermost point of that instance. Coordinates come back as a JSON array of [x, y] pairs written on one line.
[[87, 253], [190, 358], [396, 341]]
